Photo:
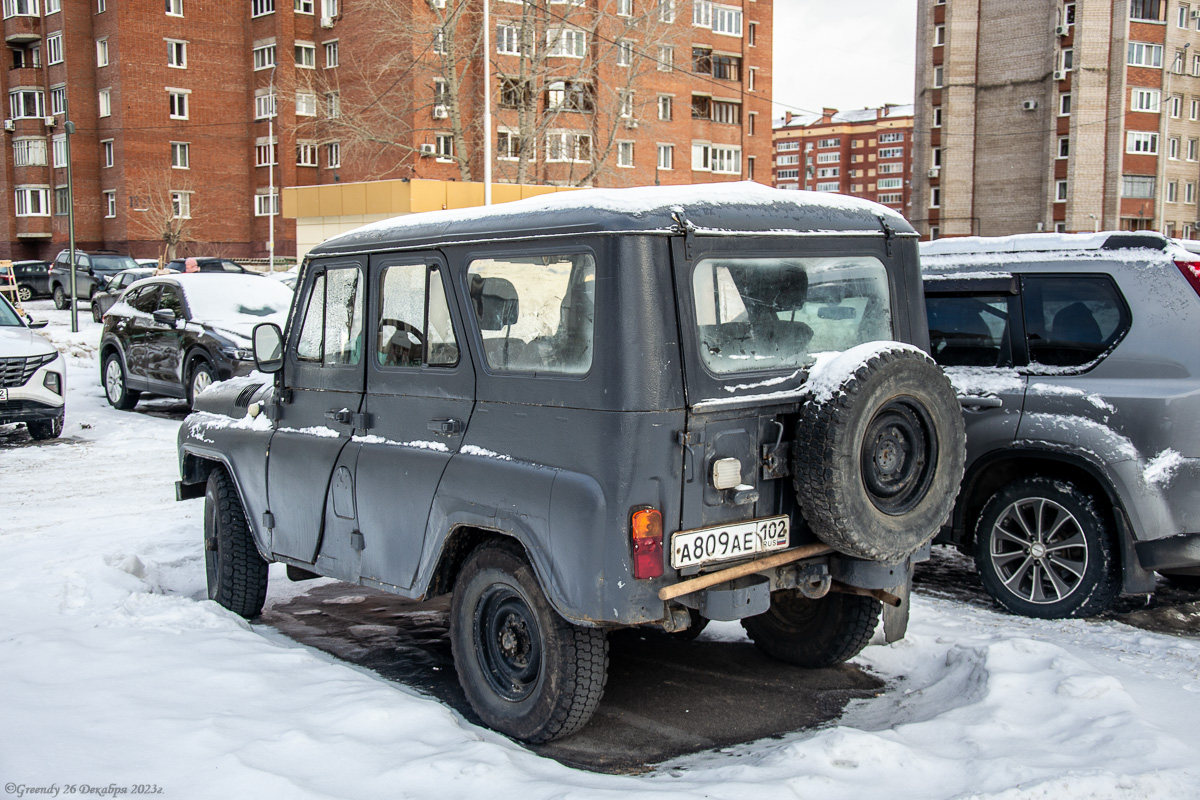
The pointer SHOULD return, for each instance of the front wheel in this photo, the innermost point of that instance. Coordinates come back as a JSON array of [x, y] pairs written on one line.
[[43, 429], [236, 573], [814, 633], [60, 298], [115, 388], [200, 377], [526, 671], [1045, 548]]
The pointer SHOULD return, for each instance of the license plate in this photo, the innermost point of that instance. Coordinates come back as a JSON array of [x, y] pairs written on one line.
[[3, 395], [726, 542]]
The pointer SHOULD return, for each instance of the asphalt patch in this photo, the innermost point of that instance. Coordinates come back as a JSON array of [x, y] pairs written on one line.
[[665, 697]]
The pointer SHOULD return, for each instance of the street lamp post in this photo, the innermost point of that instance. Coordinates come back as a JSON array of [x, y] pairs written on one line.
[[487, 103], [271, 168], [69, 128]]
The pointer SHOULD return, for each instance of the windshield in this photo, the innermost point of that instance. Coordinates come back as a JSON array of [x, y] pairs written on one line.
[[777, 313], [113, 263], [8, 316]]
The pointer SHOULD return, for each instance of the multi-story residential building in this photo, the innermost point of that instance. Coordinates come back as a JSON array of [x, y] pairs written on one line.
[[1057, 116], [188, 117], [865, 153]]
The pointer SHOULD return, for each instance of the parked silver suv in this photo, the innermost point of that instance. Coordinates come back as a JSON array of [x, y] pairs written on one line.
[[1074, 362]]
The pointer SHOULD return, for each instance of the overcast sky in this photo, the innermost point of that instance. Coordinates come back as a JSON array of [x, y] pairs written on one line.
[[843, 55]]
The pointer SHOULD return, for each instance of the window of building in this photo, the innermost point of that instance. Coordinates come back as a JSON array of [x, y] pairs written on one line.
[[508, 40], [174, 8], [1184, 17], [895, 166], [58, 99], [891, 199], [1060, 191], [32, 201], [938, 77], [304, 6], [822, 158], [665, 107], [1189, 192], [891, 183], [1177, 65], [53, 6], [787, 174], [1192, 145], [1064, 146], [1068, 14], [106, 153], [1196, 64], [788, 159], [306, 55], [54, 48], [439, 41], [1176, 106], [331, 54], [727, 20], [1137, 186], [513, 93], [939, 35], [27, 104], [306, 154], [1068, 59], [444, 146], [1149, 100], [702, 13], [508, 145], [935, 197], [333, 155], [891, 137], [1194, 109], [177, 100], [264, 151], [666, 58], [176, 53], [101, 6], [29, 152], [701, 106], [58, 150], [329, 8], [751, 33], [666, 156], [306, 104], [181, 204], [333, 104], [264, 56], [624, 53], [1172, 191], [823, 143], [566, 42], [1142, 54], [110, 204], [104, 102], [937, 117], [266, 203], [727, 68], [102, 52], [793, 145], [829, 172], [702, 60], [1173, 148], [891, 152], [1141, 142], [624, 8], [20, 8], [62, 201], [624, 154], [181, 157], [1153, 10], [260, 8], [716, 158], [727, 113], [264, 104], [570, 96], [568, 146]]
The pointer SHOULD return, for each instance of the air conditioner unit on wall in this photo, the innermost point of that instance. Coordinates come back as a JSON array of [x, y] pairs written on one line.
[[326, 22], [9, 125], [51, 122], [934, 171], [1062, 30], [428, 149], [1029, 105], [1059, 75], [631, 123], [440, 112]]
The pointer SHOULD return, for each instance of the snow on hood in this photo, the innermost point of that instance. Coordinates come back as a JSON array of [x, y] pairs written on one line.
[[235, 302], [21, 342]]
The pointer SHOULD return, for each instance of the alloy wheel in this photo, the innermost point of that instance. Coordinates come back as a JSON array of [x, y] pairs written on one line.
[[1038, 550]]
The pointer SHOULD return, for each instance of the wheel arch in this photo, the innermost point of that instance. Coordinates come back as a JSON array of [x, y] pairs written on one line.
[[195, 468], [459, 543]]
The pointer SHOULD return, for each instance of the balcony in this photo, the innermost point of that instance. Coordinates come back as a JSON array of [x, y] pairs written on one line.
[[21, 27], [34, 227], [24, 77]]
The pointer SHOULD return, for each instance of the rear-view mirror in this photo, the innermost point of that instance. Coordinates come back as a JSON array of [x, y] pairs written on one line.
[[268, 347]]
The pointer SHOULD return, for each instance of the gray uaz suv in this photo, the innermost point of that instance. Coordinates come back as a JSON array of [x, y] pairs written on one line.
[[1074, 360], [594, 410]]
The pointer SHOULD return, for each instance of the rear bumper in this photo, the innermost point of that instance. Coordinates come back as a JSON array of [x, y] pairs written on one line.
[[1172, 552]]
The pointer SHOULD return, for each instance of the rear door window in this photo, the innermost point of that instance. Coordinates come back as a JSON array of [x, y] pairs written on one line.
[[969, 331], [1070, 321]]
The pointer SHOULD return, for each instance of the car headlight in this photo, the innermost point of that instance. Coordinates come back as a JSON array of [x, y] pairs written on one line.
[[238, 353], [53, 382]]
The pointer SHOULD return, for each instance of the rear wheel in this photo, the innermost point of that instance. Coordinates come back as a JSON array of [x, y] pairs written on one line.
[[1045, 548], [43, 429], [97, 315], [526, 671], [24, 293], [60, 298], [236, 573], [814, 633], [115, 388]]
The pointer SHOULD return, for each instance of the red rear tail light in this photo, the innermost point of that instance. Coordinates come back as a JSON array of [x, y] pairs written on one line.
[[1191, 271], [646, 530]]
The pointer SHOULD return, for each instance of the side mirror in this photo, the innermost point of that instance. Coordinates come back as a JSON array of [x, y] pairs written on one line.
[[41, 323], [165, 316], [268, 347]]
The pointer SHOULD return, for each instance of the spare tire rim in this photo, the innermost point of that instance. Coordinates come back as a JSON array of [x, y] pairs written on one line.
[[507, 643], [1038, 550], [899, 456]]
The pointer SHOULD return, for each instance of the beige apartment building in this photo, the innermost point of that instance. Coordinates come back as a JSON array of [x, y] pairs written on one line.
[[1054, 116]]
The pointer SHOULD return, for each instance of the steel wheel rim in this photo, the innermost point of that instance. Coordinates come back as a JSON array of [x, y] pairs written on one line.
[[200, 381], [898, 456], [1039, 551], [112, 381], [508, 643]]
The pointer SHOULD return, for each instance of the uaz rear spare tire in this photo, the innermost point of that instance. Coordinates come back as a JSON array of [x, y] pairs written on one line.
[[879, 453]]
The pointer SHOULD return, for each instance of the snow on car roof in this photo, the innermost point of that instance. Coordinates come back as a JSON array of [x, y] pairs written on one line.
[[710, 208]]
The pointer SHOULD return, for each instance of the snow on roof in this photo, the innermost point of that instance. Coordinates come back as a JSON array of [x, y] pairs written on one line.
[[644, 208], [853, 115]]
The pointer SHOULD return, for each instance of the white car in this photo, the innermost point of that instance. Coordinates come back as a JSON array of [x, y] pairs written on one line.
[[32, 376]]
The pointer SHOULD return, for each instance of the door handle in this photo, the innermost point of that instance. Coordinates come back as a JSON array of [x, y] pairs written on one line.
[[446, 427], [975, 401], [344, 416]]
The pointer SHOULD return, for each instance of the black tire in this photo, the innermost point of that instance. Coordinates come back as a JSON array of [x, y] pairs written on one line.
[[693, 631], [43, 429], [526, 671], [199, 377], [60, 298], [814, 633], [878, 463], [96, 315], [116, 389], [236, 573], [24, 292], [1075, 572]]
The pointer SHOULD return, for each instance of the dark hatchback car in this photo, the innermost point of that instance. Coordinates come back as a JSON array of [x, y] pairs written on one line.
[[174, 335], [32, 279], [208, 265], [104, 299]]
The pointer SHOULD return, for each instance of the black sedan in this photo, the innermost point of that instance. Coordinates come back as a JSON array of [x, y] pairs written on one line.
[[174, 335], [104, 299]]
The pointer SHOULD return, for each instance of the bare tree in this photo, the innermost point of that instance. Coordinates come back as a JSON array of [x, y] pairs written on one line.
[[161, 207]]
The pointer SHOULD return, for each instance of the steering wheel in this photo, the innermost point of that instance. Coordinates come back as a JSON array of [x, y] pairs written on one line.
[[404, 347]]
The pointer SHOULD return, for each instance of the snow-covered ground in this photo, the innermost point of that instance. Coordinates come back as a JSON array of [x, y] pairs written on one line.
[[116, 672]]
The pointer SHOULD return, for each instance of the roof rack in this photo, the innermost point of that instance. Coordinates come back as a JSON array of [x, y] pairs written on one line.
[[1045, 242]]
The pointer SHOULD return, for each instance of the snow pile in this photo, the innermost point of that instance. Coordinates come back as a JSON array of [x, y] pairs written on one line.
[[117, 669]]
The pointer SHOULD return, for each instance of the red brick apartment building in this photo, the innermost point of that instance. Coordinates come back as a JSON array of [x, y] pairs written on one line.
[[1057, 116], [196, 110], [865, 153]]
